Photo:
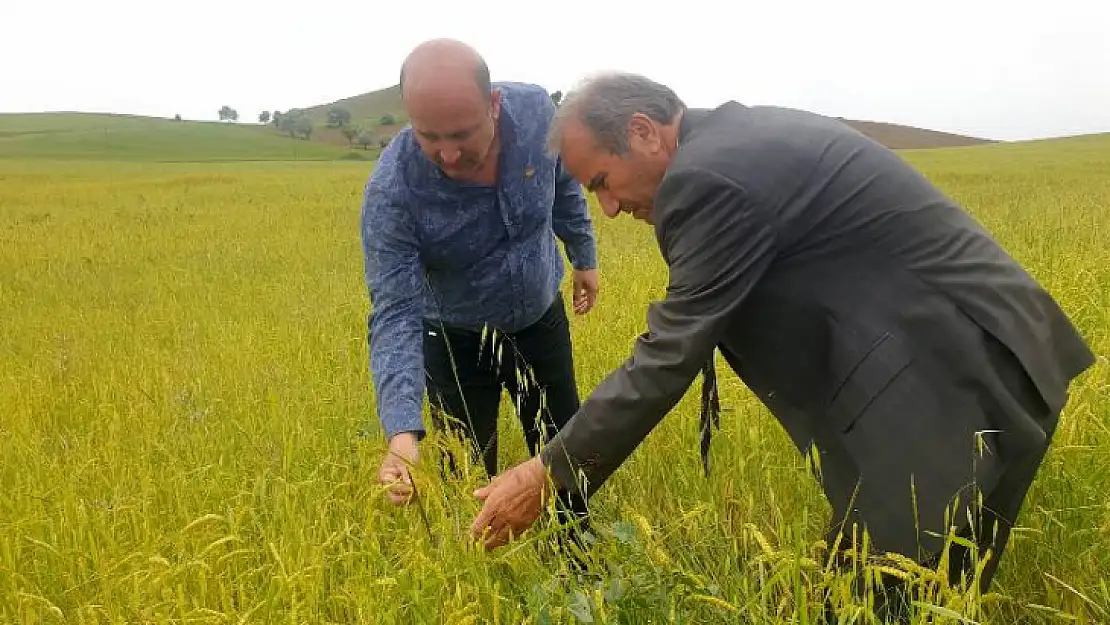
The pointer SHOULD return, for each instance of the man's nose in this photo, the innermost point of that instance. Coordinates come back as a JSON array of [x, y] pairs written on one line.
[[449, 157]]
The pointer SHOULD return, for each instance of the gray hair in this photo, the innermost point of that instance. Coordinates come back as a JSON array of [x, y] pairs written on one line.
[[605, 103]]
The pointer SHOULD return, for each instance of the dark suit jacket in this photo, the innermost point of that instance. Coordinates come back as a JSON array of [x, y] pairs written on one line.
[[872, 316]]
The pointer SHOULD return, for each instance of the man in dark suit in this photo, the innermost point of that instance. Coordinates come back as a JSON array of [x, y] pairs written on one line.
[[880, 324]]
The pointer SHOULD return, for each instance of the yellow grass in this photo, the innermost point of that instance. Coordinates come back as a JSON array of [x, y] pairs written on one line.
[[183, 385]]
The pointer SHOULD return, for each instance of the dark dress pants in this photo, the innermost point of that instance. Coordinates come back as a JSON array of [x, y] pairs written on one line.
[[466, 370]]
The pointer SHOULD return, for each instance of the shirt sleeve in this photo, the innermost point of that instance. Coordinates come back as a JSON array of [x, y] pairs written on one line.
[[717, 244], [571, 220], [394, 280]]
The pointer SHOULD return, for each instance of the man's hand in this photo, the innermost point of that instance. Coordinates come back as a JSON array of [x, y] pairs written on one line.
[[395, 468], [513, 502], [585, 290]]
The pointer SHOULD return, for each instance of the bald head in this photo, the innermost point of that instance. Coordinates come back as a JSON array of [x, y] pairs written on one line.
[[441, 65], [452, 107]]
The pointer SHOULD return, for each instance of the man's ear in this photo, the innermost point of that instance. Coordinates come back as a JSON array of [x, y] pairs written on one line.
[[495, 102], [643, 131]]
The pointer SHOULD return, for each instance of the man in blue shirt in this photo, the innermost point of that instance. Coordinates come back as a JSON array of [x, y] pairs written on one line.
[[459, 223]]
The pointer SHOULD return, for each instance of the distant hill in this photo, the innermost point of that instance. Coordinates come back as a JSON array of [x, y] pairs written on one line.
[[379, 113], [898, 137], [96, 136], [367, 111]]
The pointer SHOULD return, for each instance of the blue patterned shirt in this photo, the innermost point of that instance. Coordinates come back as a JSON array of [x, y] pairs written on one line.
[[465, 254]]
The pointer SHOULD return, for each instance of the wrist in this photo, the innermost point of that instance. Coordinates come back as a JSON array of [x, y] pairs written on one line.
[[584, 261], [409, 438], [539, 469]]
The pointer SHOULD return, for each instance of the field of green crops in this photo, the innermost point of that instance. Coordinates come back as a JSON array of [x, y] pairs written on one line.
[[93, 136], [187, 430]]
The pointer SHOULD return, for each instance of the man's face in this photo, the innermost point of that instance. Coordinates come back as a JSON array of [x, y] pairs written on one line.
[[455, 128], [624, 183]]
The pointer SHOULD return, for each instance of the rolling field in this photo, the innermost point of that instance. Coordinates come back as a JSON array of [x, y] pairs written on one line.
[[90, 136], [187, 431]]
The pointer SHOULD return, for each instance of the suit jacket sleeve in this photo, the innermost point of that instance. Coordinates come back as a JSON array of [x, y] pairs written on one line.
[[717, 243]]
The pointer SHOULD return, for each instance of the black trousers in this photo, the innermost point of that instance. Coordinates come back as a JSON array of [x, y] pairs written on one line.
[[466, 371]]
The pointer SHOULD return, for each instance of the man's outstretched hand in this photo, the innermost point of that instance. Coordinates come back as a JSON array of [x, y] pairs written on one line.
[[512, 503], [394, 472]]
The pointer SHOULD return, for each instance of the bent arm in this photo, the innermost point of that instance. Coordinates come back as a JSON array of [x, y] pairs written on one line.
[[718, 245], [393, 278], [570, 219]]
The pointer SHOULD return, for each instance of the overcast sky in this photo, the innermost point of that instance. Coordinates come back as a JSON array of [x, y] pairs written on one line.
[[1004, 72]]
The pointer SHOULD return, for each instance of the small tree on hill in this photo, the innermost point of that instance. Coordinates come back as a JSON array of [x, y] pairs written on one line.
[[351, 133], [275, 119], [296, 123], [288, 122], [387, 120], [365, 140], [304, 127], [228, 114], [557, 97], [264, 117], [338, 117], [177, 117]]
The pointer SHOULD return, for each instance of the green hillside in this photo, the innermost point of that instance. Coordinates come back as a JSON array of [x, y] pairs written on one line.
[[372, 119], [378, 113], [94, 136], [1089, 151], [368, 109]]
